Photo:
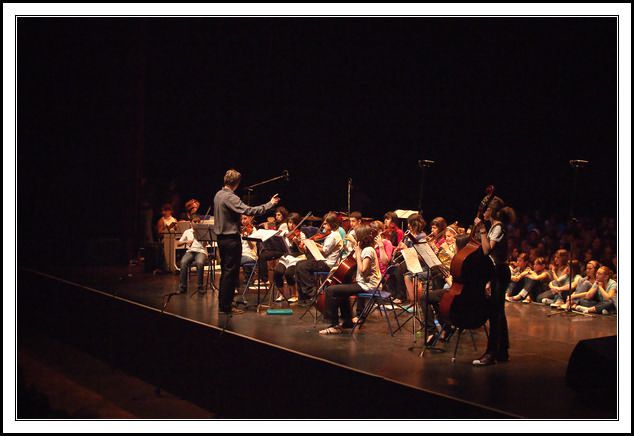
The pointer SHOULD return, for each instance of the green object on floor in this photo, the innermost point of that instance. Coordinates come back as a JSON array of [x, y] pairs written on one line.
[[279, 311]]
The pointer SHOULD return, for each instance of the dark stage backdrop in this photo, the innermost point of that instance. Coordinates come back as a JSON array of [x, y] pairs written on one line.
[[103, 102]]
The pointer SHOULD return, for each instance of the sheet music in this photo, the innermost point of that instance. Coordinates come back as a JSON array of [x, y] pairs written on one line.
[[428, 255], [404, 213], [312, 247], [263, 234], [411, 260]]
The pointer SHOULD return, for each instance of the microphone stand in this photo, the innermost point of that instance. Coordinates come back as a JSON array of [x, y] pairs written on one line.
[[249, 189], [423, 165], [575, 164]]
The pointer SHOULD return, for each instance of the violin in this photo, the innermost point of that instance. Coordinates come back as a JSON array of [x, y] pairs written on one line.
[[320, 235], [246, 230]]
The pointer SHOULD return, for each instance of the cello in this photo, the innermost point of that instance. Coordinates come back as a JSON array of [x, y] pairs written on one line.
[[465, 305]]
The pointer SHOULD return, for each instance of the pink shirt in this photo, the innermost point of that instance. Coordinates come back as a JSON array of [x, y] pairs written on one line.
[[389, 249]]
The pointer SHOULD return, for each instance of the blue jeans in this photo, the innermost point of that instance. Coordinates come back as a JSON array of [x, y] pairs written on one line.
[[199, 260]]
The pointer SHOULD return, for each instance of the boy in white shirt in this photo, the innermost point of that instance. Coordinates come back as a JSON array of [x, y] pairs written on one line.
[[196, 254]]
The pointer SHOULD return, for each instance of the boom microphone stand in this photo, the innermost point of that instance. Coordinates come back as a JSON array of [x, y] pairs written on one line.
[[285, 175]]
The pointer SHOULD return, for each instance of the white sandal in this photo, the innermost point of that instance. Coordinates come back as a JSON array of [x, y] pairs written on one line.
[[336, 330]]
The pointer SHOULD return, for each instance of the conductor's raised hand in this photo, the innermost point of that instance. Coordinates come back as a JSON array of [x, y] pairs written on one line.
[[275, 199]]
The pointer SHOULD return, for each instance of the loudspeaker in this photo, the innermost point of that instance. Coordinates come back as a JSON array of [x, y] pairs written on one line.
[[593, 367]]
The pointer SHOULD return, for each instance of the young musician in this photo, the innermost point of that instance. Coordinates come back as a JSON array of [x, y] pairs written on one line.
[[166, 222], [249, 251], [395, 234], [281, 218], [368, 277], [287, 265], [227, 210], [196, 254], [355, 221], [415, 226], [191, 206], [494, 244], [330, 250]]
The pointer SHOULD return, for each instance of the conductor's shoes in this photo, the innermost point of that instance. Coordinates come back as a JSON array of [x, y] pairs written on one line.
[[485, 360], [502, 356]]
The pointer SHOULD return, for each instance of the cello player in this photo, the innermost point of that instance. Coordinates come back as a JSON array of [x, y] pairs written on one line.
[[494, 244]]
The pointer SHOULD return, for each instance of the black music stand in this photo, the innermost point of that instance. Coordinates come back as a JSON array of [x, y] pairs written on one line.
[[205, 233], [271, 241], [415, 314], [429, 258]]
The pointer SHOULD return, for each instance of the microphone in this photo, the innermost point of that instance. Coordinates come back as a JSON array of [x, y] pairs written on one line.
[[286, 175], [423, 163], [578, 163]]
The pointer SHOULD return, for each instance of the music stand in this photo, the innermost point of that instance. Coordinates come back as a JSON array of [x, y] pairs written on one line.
[[430, 259], [203, 232], [411, 259], [269, 239]]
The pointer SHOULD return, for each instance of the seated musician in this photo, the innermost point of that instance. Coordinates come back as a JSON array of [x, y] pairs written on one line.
[[268, 256], [393, 231], [281, 218], [249, 252], [384, 250], [415, 226], [457, 242], [287, 265], [368, 277], [191, 206], [351, 240], [196, 254], [166, 222], [330, 249], [438, 229]]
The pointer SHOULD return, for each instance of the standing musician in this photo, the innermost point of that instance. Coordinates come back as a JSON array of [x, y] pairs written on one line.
[[368, 277], [227, 210], [166, 222], [287, 265], [494, 244], [330, 250]]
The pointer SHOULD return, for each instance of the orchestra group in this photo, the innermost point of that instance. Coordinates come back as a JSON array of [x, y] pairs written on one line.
[[376, 248]]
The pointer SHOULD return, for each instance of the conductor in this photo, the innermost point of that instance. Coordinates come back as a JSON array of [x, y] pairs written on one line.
[[227, 211]]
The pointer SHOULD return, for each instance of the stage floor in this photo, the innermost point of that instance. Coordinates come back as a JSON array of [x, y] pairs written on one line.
[[532, 385]]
